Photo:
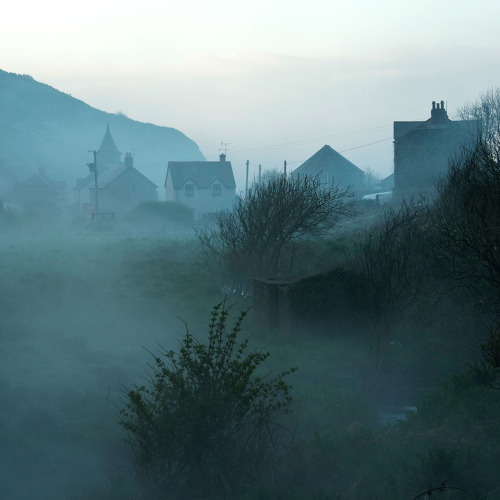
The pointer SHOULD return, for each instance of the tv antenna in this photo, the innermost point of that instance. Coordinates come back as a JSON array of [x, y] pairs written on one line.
[[223, 147]]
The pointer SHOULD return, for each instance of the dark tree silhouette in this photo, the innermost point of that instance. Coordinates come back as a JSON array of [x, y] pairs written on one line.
[[254, 238]]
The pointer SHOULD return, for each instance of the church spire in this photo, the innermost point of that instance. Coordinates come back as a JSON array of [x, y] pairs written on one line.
[[108, 154]]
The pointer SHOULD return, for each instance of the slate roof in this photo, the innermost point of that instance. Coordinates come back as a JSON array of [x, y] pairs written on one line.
[[201, 173], [329, 162], [106, 177], [41, 180]]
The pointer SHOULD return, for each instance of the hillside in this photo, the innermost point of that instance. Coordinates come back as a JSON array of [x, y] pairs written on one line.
[[40, 125]]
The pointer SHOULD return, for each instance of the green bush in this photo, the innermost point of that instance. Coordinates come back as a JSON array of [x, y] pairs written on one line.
[[204, 423]]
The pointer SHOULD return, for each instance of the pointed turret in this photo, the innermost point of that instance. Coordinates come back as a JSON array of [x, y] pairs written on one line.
[[108, 154]]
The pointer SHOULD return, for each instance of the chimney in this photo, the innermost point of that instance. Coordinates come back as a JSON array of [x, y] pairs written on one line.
[[222, 157], [438, 113], [129, 160]]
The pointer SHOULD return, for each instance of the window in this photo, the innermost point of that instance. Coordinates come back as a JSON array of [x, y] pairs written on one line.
[[217, 190], [188, 190]]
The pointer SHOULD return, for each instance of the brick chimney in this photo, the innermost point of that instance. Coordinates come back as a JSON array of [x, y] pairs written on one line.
[[129, 160], [222, 157], [439, 115]]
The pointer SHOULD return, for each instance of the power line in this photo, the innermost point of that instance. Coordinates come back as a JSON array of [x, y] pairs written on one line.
[[311, 140]]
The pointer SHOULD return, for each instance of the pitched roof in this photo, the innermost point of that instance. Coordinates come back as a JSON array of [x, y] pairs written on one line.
[[201, 173], [42, 180], [329, 162], [106, 177]]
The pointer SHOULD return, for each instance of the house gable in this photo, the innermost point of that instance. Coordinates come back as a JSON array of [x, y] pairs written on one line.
[[332, 168], [206, 186]]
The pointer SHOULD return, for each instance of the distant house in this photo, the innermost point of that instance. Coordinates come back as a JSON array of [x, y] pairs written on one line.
[[121, 186], [120, 189], [205, 186], [333, 169], [38, 193], [387, 184], [423, 149]]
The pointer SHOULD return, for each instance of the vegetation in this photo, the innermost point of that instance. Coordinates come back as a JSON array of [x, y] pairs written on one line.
[[205, 424], [255, 238], [154, 215], [465, 217], [418, 285]]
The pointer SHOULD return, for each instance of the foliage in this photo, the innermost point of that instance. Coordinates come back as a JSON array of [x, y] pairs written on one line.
[[390, 269], [161, 212], [255, 238], [465, 403], [486, 113], [465, 216], [491, 348], [206, 422]]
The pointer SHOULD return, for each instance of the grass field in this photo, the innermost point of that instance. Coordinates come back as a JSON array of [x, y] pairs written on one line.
[[76, 312]]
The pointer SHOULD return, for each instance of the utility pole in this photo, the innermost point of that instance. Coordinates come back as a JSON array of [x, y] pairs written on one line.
[[260, 174], [284, 169], [246, 185], [93, 168]]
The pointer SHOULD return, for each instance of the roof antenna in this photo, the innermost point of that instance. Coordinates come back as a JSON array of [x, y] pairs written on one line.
[[223, 147]]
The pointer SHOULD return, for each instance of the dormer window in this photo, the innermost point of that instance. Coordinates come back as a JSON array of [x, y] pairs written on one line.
[[189, 190], [216, 190]]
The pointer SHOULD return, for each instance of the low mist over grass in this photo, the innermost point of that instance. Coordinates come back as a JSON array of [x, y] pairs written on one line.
[[77, 310]]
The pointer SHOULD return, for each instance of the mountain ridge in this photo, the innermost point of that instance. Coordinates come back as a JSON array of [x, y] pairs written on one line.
[[43, 126]]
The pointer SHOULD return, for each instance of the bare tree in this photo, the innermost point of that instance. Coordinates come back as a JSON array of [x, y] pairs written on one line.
[[466, 218], [254, 238], [486, 113], [390, 268]]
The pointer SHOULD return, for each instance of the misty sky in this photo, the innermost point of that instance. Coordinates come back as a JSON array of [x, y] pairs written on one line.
[[276, 79]]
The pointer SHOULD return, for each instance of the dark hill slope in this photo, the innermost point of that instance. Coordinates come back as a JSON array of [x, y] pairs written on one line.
[[40, 125]]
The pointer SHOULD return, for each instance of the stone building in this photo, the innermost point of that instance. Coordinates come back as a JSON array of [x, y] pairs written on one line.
[[423, 149]]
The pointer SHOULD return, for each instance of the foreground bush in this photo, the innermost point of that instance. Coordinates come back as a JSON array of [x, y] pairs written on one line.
[[205, 424]]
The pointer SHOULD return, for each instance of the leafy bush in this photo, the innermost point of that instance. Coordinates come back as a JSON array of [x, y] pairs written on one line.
[[205, 423]]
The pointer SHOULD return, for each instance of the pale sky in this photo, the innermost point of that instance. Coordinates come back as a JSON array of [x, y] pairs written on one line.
[[275, 79]]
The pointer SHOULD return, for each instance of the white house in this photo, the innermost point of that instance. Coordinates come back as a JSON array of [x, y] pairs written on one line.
[[205, 186]]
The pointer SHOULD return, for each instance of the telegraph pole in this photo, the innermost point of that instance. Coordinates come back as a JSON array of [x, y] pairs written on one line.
[[246, 185], [260, 174], [93, 168], [284, 169]]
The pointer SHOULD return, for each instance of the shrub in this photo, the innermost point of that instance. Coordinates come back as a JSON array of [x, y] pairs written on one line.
[[205, 423], [157, 213]]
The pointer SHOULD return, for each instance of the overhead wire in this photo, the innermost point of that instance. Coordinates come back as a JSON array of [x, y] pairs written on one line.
[[256, 149]]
